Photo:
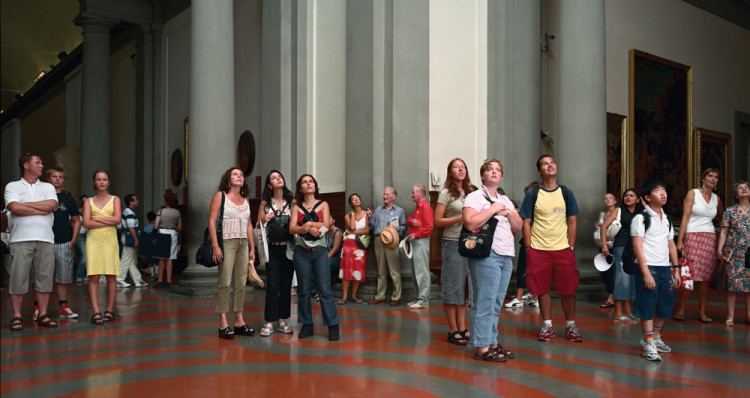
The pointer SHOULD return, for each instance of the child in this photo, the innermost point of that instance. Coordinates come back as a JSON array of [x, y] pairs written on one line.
[[654, 247]]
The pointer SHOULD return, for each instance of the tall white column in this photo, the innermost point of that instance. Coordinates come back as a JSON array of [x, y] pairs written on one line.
[[95, 113], [211, 147], [582, 114]]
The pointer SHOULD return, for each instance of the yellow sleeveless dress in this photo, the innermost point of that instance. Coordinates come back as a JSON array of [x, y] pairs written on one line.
[[102, 250]]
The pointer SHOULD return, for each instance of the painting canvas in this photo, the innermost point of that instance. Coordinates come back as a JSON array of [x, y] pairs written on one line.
[[660, 136], [714, 149], [616, 136]]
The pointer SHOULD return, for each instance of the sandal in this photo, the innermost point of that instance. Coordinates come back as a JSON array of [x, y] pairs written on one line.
[[109, 316], [729, 322], [456, 338], [465, 334], [266, 330], [16, 324], [316, 296], [503, 351], [624, 318], [607, 304], [96, 319], [341, 302], [284, 328], [45, 321], [679, 318], [226, 333], [491, 356], [705, 319], [356, 300], [243, 331]]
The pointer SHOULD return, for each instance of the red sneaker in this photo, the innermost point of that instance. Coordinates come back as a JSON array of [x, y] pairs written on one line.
[[66, 312], [572, 334], [547, 333], [36, 313]]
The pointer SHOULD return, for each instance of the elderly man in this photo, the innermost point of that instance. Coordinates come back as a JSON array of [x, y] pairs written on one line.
[[420, 227], [32, 242], [383, 216]]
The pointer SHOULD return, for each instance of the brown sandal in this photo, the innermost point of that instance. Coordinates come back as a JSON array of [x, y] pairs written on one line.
[[491, 356], [45, 321], [16, 324]]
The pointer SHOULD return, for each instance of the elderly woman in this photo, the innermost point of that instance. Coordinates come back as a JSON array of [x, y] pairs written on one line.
[[490, 275], [734, 240], [238, 252], [448, 215], [697, 239]]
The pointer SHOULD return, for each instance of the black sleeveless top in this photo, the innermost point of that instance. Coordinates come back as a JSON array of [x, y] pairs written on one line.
[[626, 217]]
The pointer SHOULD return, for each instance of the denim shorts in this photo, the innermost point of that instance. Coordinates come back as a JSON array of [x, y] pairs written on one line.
[[657, 302]]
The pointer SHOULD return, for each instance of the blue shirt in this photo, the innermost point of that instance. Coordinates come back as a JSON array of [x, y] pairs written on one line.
[[382, 217]]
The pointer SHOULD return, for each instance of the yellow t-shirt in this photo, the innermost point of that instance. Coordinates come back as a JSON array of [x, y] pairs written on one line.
[[550, 228]]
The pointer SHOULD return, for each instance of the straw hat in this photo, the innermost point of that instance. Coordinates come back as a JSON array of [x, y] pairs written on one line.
[[389, 237]]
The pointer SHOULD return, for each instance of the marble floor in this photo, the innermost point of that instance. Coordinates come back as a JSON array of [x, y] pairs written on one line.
[[166, 345]]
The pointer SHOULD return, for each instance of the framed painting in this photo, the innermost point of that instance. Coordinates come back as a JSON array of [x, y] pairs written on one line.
[[660, 137], [246, 152], [617, 134], [176, 167], [714, 149]]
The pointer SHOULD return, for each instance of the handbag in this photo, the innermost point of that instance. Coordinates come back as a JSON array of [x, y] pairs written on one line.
[[363, 241], [615, 227], [686, 276], [719, 277], [477, 244], [260, 243], [154, 244], [205, 254], [277, 228]]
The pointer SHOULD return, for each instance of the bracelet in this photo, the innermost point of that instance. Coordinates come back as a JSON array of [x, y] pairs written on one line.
[[675, 266]]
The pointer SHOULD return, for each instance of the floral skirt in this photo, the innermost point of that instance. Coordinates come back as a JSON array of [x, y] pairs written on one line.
[[701, 251], [353, 262]]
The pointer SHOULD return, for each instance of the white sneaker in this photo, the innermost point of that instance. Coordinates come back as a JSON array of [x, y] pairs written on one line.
[[649, 351], [533, 303], [36, 313], [122, 284], [660, 345], [141, 284], [526, 297], [515, 303], [418, 305]]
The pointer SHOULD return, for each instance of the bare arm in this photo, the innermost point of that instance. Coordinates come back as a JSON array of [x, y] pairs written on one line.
[[33, 208], [337, 239], [310, 226], [250, 241], [473, 219], [572, 230], [722, 241], [75, 223], [516, 223], [687, 209], [526, 232], [674, 260], [603, 231], [352, 223], [263, 216], [441, 221], [213, 214], [648, 279]]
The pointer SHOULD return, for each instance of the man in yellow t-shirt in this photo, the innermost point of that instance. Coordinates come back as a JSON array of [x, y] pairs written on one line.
[[549, 234]]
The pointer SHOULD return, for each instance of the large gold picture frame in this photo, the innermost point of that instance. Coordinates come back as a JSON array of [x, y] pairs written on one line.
[[660, 143], [617, 154], [714, 149]]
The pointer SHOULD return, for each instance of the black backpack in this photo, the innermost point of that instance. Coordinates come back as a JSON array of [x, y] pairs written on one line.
[[310, 216], [629, 264], [535, 196]]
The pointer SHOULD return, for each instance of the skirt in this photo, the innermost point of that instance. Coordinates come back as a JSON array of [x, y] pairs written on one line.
[[700, 248], [353, 262]]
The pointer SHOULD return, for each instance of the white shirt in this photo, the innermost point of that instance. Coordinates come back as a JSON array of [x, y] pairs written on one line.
[[656, 239], [702, 213], [30, 228]]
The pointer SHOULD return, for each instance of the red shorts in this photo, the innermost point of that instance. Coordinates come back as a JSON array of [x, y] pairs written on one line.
[[543, 267]]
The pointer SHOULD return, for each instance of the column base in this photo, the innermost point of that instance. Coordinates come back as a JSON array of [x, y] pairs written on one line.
[[197, 282]]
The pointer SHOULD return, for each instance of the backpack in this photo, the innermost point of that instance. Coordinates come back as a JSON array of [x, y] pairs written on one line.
[[629, 264], [535, 196], [310, 216]]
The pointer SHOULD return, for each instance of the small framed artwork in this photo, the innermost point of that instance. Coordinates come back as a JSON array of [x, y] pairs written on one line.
[[177, 167], [714, 149], [246, 152]]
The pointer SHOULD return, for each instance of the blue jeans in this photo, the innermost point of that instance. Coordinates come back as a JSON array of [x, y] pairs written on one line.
[[490, 276], [659, 301], [81, 264], [624, 283], [311, 266]]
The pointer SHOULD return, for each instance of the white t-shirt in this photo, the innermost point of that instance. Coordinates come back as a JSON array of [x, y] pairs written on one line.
[[502, 242], [30, 228], [656, 239]]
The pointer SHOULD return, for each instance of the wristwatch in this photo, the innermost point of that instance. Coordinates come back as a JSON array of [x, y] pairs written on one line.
[[675, 266]]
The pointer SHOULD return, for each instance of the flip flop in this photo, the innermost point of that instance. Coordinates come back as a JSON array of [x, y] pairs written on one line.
[[679, 318], [705, 320], [341, 302], [623, 318]]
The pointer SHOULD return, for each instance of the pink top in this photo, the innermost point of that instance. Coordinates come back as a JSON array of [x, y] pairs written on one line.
[[502, 243]]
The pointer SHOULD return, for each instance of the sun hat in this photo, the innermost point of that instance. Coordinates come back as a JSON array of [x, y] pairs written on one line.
[[405, 248], [389, 237], [603, 263]]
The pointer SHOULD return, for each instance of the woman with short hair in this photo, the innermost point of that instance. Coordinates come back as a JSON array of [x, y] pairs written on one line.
[[168, 222]]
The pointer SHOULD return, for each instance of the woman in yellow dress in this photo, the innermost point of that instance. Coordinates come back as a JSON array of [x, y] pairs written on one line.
[[101, 215]]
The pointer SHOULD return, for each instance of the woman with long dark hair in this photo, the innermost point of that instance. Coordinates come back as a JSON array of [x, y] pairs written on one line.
[[353, 257], [624, 289], [455, 270], [274, 213], [310, 220], [238, 251]]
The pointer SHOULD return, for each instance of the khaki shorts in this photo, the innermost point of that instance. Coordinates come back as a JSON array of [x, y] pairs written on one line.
[[40, 255]]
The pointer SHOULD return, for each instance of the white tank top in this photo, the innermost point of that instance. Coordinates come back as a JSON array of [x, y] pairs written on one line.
[[235, 219], [360, 224], [702, 213]]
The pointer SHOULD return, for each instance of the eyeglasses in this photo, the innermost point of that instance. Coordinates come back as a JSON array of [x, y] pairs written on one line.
[[459, 167]]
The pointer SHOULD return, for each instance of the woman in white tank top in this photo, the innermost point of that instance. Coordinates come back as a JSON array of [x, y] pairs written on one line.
[[697, 239]]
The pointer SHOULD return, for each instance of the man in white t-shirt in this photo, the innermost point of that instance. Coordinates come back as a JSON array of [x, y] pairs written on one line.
[[31, 203], [657, 272]]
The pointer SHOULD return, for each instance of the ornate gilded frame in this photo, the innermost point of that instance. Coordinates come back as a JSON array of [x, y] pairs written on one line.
[[617, 152], [661, 103], [712, 147]]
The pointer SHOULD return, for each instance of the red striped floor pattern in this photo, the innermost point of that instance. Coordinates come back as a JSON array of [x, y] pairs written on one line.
[[166, 345]]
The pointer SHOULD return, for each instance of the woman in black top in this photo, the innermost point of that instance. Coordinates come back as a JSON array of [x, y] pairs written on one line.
[[624, 292]]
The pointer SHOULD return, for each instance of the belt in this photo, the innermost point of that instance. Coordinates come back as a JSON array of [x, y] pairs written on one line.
[[169, 229]]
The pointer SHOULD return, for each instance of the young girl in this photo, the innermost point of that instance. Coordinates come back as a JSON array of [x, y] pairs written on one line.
[[101, 215]]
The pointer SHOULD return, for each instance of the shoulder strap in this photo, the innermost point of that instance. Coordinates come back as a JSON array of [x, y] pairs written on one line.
[[619, 213], [534, 197], [316, 205], [220, 221], [565, 196], [646, 220]]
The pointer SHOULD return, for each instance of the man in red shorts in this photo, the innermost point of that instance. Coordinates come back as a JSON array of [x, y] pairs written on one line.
[[549, 235]]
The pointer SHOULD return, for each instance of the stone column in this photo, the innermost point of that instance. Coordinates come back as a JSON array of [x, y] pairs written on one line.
[[95, 119], [145, 115], [211, 137], [582, 115]]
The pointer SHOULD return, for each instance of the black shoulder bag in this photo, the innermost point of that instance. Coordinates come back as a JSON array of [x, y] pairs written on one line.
[[277, 229], [205, 254], [478, 244]]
